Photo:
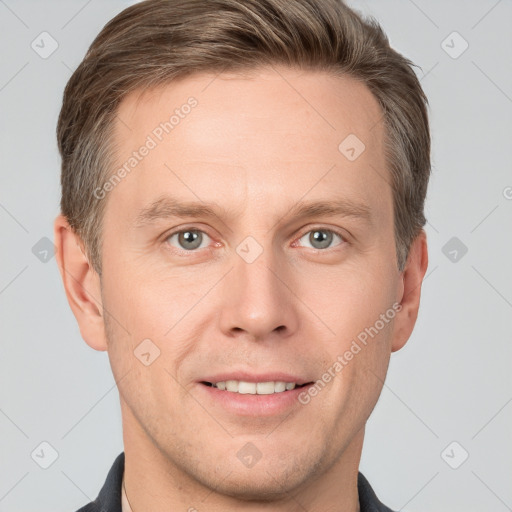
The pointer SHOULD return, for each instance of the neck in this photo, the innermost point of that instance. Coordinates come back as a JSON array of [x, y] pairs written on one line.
[[154, 482]]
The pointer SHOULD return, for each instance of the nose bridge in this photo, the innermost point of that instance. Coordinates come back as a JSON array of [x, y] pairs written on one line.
[[257, 300]]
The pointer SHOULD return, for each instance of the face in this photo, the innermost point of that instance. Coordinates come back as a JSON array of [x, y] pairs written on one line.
[[255, 285]]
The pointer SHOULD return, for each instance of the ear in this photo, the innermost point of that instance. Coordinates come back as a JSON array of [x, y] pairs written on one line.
[[81, 283], [411, 280]]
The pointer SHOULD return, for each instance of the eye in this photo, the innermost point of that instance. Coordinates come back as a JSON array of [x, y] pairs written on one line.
[[188, 239], [321, 238]]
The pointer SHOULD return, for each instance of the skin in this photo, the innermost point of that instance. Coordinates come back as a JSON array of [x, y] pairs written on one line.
[[255, 146]]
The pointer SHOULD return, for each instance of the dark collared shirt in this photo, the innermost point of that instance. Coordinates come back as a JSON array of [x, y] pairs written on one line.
[[109, 498]]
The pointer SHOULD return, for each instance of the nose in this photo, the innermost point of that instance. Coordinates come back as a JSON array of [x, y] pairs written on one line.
[[258, 300]]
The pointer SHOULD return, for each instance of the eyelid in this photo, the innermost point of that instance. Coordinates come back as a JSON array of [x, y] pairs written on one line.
[[181, 229]]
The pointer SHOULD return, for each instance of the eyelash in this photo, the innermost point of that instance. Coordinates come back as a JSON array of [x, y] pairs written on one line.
[[183, 252]]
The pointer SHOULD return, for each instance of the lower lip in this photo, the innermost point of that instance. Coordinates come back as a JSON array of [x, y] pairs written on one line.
[[254, 405]]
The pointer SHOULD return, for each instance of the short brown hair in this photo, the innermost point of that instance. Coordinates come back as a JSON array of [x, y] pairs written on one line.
[[155, 41]]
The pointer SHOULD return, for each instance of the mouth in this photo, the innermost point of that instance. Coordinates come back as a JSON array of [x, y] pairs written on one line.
[[243, 394], [255, 388]]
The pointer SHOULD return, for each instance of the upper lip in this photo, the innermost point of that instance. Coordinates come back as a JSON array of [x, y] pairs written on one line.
[[253, 377]]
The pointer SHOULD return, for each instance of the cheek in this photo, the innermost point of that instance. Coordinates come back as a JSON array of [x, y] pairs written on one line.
[[351, 299], [142, 303], [148, 320], [360, 312]]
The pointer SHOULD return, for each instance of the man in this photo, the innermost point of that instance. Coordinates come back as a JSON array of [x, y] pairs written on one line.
[[242, 209]]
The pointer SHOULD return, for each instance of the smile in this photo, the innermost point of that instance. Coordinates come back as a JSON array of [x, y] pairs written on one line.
[[254, 388]]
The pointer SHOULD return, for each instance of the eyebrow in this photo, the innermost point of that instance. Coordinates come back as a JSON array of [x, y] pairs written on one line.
[[167, 207]]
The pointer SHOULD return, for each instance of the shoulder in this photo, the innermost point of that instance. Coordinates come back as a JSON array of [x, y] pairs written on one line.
[[109, 497], [368, 501]]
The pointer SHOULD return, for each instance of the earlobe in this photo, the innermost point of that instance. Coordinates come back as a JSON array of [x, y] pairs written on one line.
[[410, 286], [81, 284]]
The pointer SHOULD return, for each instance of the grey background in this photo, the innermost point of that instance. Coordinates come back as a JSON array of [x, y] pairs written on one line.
[[451, 382]]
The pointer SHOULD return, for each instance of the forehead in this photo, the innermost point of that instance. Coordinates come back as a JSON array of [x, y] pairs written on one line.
[[331, 104], [268, 134]]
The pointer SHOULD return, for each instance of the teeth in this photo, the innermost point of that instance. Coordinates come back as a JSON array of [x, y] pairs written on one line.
[[255, 388], [232, 385], [247, 388], [266, 388]]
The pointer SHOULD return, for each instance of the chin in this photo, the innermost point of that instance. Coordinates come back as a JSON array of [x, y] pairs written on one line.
[[261, 486], [268, 480]]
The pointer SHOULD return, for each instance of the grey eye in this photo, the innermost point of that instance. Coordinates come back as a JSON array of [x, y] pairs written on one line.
[[188, 239], [321, 238]]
